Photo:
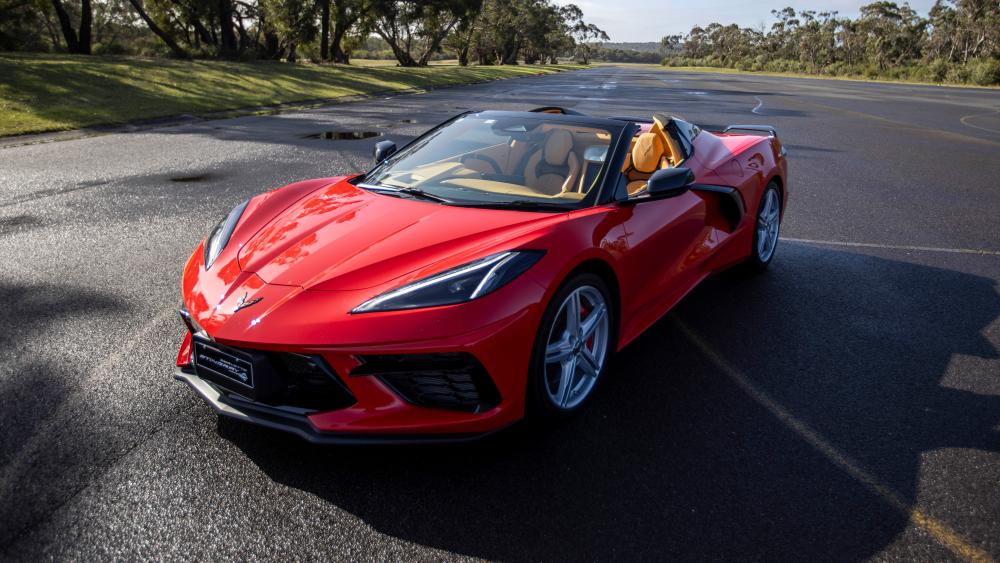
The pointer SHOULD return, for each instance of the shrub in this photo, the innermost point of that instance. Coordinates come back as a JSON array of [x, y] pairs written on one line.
[[112, 48], [937, 71], [984, 72], [958, 73]]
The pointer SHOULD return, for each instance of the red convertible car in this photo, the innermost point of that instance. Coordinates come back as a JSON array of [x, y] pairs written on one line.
[[483, 273]]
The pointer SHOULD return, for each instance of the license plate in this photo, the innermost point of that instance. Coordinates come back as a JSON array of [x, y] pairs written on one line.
[[221, 363]]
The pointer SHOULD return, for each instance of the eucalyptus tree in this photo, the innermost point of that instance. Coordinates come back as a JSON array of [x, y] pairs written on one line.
[[77, 42], [414, 30]]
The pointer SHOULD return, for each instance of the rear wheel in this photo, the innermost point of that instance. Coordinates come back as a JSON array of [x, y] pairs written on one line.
[[766, 229], [572, 347]]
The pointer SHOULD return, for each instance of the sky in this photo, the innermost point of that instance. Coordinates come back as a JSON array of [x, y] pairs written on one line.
[[649, 20]]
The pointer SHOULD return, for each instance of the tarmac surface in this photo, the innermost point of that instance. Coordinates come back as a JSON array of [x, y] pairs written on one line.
[[843, 406]]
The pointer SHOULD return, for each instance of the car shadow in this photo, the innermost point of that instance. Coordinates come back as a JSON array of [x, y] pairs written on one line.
[[673, 459]]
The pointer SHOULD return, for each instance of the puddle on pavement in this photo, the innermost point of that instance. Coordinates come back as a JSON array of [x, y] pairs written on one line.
[[342, 135]]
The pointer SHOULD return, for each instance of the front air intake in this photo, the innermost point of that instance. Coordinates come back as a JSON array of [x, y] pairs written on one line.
[[454, 381]]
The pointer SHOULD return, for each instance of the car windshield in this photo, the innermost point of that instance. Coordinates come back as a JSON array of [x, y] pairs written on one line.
[[483, 160]]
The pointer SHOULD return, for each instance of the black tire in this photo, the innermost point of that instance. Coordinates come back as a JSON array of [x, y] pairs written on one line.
[[540, 405], [758, 261]]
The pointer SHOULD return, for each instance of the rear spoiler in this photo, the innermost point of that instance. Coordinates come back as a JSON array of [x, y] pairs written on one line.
[[771, 132]]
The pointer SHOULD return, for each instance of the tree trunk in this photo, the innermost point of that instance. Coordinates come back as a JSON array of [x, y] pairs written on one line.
[[51, 28], [324, 33], [244, 37], [339, 55], [403, 56], [226, 32], [435, 43], [292, 52], [174, 47], [86, 23], [509, 55], [342, 22], [72, 45], [199, 30], [272, 46]]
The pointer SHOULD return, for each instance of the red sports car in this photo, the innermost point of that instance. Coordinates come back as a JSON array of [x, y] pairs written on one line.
[[483, 273]]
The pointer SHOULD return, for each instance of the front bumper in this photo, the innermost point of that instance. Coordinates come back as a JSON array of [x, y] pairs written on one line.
[[299, 424], [497, 332]]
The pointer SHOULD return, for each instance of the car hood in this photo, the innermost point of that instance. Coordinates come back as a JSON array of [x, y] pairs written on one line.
[[344, 238]]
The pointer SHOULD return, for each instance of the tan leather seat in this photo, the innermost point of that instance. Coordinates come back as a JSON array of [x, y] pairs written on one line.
[[555, 168], [515, 156], [649, 154]]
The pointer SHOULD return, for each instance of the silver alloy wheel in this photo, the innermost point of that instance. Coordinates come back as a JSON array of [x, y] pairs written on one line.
[[577, 347], [768, 225]]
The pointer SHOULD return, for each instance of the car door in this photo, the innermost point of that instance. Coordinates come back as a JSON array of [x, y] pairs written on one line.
[[662, 262]]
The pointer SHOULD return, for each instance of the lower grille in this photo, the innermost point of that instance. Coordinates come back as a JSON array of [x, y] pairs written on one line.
[[279, 379], [449, 380], [308, 383]]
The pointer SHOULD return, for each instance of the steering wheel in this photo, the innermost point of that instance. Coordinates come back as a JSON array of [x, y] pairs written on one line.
[[488, 160]]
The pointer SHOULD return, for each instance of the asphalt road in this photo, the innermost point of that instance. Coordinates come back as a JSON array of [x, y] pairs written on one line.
[[844, 406]]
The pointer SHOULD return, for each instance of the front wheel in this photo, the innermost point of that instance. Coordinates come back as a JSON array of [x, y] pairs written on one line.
[[572, 347], [766, 229]]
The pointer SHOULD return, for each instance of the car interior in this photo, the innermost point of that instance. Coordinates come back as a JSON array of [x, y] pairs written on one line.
[[552, 160], [650, 150]]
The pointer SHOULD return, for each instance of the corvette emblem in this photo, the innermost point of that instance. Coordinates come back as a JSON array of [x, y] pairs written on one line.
[[243, 303]]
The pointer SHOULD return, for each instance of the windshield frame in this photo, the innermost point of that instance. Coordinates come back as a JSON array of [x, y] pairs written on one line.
[[604, 184]]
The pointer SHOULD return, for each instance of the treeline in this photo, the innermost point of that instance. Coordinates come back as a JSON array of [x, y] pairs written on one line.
[[602, 53], [958, 41], [413, 32]]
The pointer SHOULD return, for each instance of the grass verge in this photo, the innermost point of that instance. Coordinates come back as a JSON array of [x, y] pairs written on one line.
[[40, 93]]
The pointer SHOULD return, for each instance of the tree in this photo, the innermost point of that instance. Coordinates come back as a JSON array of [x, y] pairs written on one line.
[[227, 31], [176, 49], [324, 34], [460, 40], [893, 33], [292, 22], [346, 15], [26, 25], [671, 43], [414, 29], [582, 31], [75, 43]]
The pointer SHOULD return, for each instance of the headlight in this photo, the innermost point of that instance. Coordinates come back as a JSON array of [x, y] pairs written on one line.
[[457, 285], [219, 237]]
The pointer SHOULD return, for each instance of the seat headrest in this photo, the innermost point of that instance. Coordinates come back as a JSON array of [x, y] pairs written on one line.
[[557, 145], [647, 153]]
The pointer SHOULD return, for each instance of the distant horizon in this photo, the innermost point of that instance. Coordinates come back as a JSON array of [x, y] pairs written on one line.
[[640, 21]]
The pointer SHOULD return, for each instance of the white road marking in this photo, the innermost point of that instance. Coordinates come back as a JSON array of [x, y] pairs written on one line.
[[966, 123], [760, 104], [982, 252]]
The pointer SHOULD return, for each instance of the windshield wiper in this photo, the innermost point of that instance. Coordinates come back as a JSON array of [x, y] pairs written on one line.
[[416, 192], [517, 204], [413, 192]]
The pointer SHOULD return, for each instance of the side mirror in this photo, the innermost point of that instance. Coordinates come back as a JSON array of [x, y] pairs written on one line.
[[383, 150], [669, 182]]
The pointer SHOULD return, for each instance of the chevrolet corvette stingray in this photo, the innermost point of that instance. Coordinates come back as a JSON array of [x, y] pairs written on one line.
[[481, 274]]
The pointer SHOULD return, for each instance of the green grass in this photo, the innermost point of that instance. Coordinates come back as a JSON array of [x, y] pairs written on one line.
[[58, 92]]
